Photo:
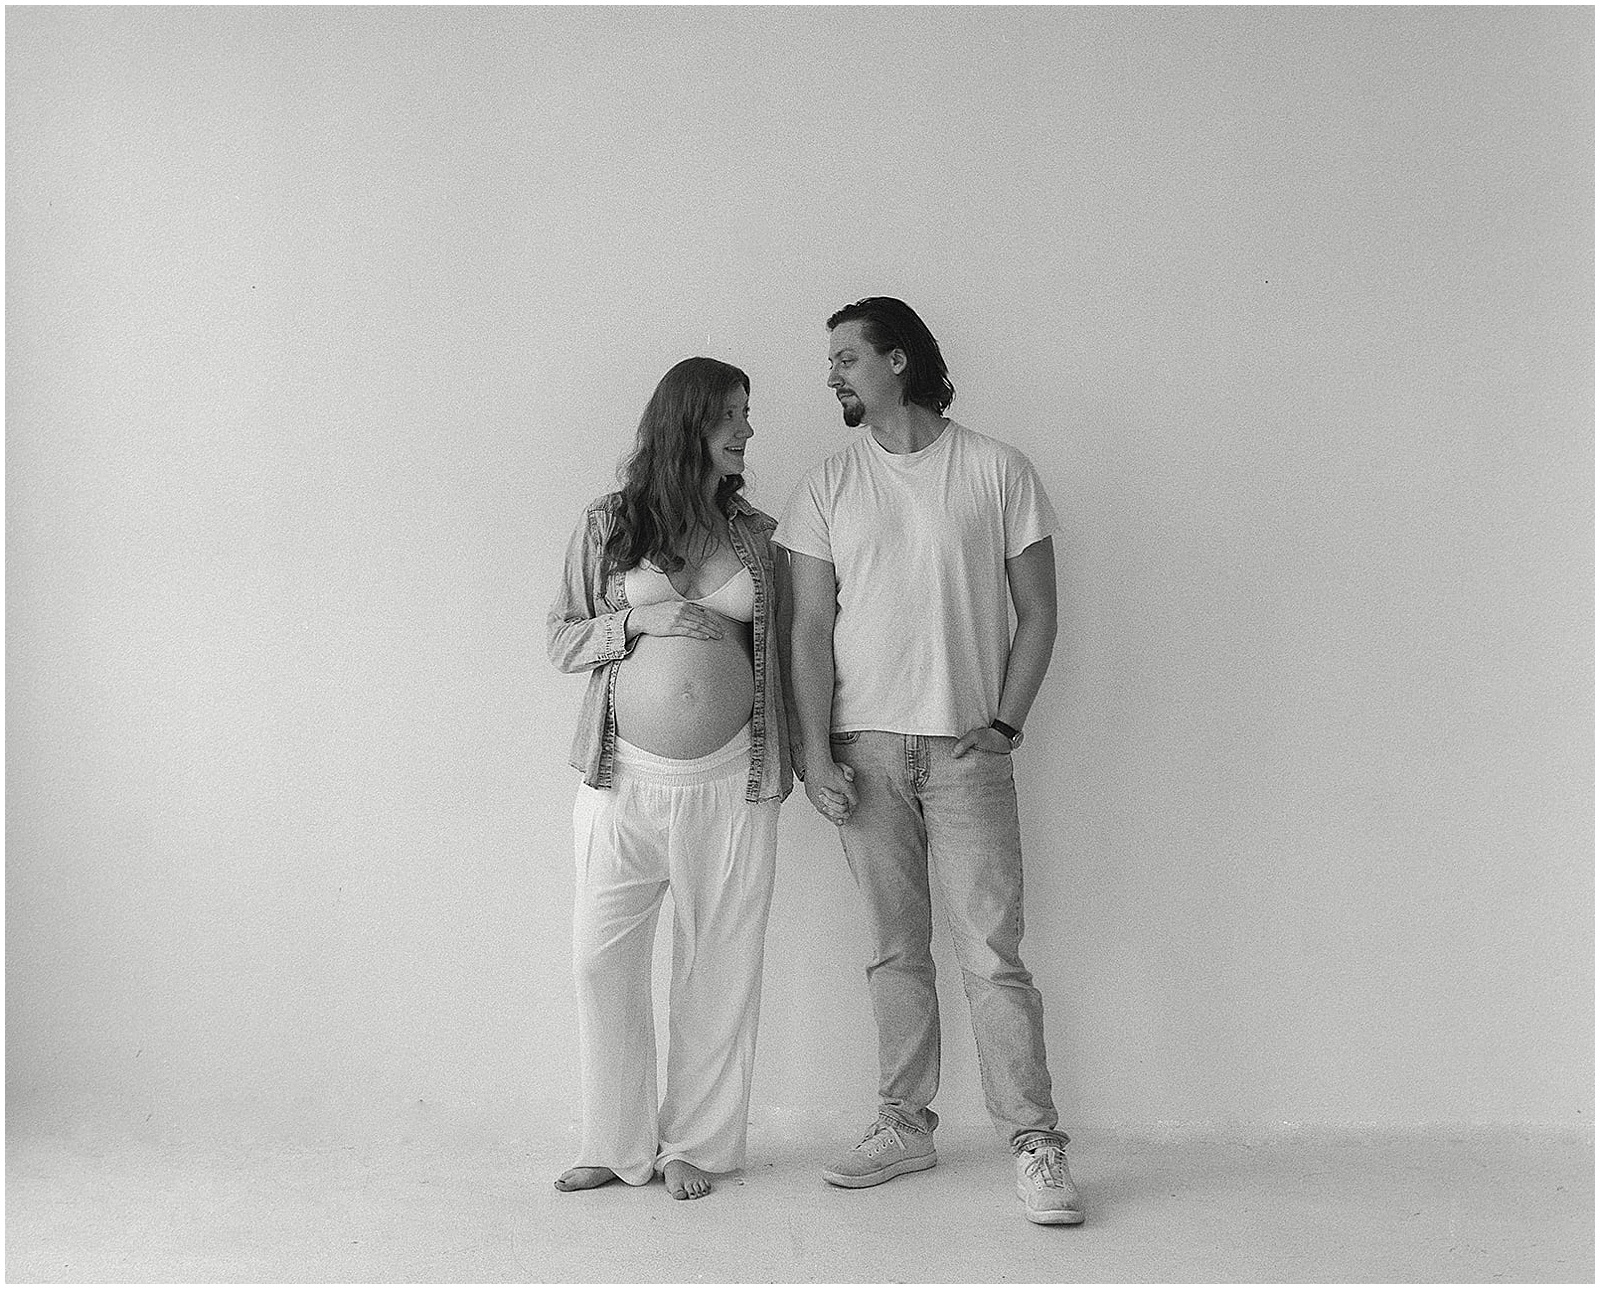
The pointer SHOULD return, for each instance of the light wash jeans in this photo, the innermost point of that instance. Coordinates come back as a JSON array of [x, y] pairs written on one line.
[[921, 812]]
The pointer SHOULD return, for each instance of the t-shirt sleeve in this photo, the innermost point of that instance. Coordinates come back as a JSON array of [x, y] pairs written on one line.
[[803, 527], [1029, 515]]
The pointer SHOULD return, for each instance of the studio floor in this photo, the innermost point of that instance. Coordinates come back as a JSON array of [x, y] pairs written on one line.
[[84, 1203]]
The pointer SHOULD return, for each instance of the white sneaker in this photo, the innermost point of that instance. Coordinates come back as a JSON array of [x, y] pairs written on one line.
[[886, 1151], [1045, 1186]]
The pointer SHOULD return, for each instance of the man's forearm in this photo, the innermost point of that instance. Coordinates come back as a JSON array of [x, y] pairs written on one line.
[[812, 654], [1031, 648]]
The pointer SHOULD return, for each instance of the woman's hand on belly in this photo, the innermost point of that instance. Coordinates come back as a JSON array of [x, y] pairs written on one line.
[[675, 618]]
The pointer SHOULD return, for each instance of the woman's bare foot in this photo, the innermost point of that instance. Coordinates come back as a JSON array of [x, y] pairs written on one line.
[[584, 1179], [685, 1181]]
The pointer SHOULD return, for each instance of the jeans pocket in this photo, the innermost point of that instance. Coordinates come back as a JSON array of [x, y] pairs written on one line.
[[844, 737]]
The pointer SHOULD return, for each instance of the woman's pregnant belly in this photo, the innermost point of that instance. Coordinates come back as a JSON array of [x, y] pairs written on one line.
[[681, 697]]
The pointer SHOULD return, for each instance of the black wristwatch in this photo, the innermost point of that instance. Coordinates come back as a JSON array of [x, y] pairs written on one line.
[[1010, 731]]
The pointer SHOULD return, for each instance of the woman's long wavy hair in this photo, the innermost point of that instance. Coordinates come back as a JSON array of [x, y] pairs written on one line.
[[663, 501]]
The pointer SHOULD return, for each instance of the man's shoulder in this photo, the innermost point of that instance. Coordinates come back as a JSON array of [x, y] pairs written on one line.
[[837, 466], [988, 447]]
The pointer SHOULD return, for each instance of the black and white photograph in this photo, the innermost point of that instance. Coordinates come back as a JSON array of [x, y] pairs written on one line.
[[800, 644]]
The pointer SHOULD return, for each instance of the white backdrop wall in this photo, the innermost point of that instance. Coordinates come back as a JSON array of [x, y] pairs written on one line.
[[323, 324]]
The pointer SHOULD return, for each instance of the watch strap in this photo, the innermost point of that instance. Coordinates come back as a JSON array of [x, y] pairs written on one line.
[[1012, 733]]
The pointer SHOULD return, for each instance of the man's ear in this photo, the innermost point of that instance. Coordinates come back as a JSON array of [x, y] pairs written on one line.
[[898, 361]]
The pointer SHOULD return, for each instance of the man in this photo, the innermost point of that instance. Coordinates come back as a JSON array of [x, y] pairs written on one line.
[[911, 696]]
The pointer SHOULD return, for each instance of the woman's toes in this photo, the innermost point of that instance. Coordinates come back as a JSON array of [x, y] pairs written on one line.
[[685, 1181], [584, 1179]]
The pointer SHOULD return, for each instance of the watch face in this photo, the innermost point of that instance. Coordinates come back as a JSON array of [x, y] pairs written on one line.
[[1011, 735]]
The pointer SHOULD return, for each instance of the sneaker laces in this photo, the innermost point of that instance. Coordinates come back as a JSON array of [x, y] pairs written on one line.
[[879, 1129], [1048, 1166]]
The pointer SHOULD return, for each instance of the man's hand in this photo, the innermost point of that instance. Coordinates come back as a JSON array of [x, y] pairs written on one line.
[[831, 788], [985, 739]]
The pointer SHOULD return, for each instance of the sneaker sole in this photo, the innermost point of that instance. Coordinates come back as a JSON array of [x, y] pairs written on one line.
[[1050, 1216], [1059, 1218], [911, 1164]]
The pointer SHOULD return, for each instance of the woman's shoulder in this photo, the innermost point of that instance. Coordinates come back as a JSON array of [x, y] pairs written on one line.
[[600, 515], [758, 519]]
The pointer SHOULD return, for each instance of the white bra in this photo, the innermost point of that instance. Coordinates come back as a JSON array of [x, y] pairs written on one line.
[[735, 598]]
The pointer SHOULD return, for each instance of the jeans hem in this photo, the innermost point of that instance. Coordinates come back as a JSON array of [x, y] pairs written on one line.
[[901, 1122], [1026, 1138]]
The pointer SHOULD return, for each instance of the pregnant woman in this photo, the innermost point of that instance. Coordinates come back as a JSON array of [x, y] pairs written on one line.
[[668, 602]]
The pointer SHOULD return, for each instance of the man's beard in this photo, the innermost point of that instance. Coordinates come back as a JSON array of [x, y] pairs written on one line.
[[854, 413]]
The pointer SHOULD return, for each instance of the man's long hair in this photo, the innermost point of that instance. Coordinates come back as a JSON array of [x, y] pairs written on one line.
[[888, 324], [663, 499]]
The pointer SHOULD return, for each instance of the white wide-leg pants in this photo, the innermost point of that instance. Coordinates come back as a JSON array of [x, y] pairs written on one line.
[[683, 825]]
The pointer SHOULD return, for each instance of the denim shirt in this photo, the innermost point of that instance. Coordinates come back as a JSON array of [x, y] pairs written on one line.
[[585, 631]]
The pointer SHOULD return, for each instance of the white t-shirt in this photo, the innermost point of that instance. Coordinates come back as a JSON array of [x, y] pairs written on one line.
[[918, 545]]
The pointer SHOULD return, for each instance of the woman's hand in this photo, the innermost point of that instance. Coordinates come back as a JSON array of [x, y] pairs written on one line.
[[831, 788], [675, 618]]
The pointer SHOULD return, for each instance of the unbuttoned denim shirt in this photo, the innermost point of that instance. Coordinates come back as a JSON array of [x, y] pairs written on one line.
[[586, 631]]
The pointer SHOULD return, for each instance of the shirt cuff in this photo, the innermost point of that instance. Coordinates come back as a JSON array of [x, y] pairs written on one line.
[[614, 636]]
